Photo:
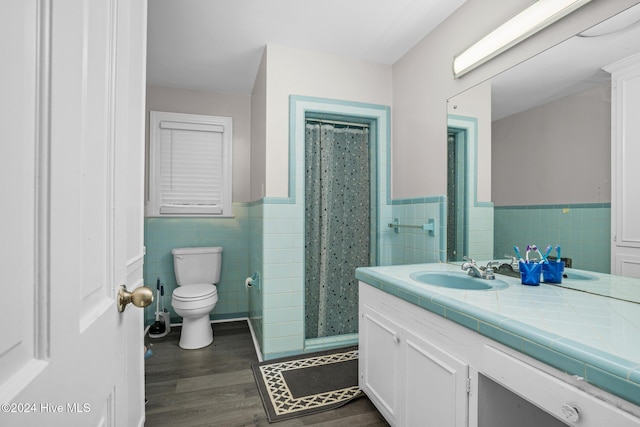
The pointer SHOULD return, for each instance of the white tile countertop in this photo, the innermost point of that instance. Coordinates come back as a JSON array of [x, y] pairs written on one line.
[[573, 327]]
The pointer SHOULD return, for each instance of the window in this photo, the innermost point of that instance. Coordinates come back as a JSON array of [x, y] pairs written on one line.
[[190, 165]]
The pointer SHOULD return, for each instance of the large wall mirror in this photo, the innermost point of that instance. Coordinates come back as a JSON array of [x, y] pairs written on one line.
[[548, 121]]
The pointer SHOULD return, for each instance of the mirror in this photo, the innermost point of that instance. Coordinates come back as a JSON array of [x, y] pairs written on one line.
[[549, 151]]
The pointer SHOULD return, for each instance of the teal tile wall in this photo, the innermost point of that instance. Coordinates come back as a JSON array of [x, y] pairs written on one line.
[[163, 234], [282, 278], [414, 245], [583, 231], [255, 263], [481, 231]]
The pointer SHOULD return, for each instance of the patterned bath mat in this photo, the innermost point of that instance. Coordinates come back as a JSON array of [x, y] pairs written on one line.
[[306, 384]]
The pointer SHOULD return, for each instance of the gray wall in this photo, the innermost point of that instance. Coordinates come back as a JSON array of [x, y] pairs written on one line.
[[423, 81], [216, 104], [557, 153]]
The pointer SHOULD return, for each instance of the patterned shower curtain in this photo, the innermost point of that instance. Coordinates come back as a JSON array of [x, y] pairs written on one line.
[[337, 226]]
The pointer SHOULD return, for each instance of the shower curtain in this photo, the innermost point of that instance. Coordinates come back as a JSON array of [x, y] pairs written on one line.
[[337, 226]]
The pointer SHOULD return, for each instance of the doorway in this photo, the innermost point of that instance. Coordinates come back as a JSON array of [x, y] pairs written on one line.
[[456, 194], [338, 223]]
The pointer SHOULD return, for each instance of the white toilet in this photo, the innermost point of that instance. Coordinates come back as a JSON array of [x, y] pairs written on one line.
[[197, 271]]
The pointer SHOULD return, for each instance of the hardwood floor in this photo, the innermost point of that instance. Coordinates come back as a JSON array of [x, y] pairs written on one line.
[[214, 386]]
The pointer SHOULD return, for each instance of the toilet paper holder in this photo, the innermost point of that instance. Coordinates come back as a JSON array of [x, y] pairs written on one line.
[[253, 280]]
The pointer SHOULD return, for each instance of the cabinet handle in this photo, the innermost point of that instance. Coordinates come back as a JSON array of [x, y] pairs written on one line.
[[396, 338], [570, 413]]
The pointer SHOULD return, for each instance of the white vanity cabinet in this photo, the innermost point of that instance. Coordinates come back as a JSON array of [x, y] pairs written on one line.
[[420, 369], [413, 382]]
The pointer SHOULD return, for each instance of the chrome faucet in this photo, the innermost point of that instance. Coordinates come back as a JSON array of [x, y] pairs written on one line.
[[514, 262], [488, 271], [472, 269]]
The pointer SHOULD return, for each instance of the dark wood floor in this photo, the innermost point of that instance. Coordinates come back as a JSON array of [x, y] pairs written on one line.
[[214, 386]]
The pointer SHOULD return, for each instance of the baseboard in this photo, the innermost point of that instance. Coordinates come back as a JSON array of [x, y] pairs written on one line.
[[253, 335], [255, 341]]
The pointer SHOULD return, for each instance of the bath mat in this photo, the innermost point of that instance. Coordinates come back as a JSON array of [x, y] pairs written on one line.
[[307, 384]]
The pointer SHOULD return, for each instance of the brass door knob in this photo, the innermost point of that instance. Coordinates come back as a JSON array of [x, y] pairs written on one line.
[[140, 297]]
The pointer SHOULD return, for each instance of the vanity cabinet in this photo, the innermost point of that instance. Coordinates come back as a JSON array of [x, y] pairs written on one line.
[[558, 398], [413, 382], [420, 369]]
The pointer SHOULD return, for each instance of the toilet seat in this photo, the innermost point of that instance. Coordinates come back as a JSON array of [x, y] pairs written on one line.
[[195, 292], [194, 297]]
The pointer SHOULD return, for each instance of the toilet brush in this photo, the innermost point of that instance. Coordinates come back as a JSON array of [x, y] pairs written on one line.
[[158, 328], [165, 316]]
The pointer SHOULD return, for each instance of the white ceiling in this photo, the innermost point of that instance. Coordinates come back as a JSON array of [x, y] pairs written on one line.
[[216, 45]]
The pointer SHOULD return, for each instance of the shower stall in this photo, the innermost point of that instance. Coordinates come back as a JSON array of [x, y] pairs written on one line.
[[457, 228], [338, 223]]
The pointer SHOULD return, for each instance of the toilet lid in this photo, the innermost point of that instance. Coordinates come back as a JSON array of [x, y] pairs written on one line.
[[196, 291]]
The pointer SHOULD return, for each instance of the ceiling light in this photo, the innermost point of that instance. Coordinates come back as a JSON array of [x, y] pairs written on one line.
[[528, 22]]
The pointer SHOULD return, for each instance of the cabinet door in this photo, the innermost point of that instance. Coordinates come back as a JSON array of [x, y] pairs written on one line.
[[625, 150], [379, 358], [435, 386]]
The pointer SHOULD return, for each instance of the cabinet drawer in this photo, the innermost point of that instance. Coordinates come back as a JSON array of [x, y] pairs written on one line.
[[558, 398]]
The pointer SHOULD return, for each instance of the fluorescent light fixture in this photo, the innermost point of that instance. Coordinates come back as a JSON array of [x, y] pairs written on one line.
[[528, 22]]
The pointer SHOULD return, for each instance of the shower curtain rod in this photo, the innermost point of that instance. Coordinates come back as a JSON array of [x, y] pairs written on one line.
[[337, 122]]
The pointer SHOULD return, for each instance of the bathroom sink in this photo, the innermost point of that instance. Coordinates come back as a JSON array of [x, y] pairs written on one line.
[[454, 280], [577, 275]]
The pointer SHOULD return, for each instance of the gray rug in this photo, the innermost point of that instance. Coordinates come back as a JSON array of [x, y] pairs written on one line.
[[307, 384]]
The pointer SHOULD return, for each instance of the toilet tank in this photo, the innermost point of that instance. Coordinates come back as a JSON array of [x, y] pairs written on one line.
[[197, 265]]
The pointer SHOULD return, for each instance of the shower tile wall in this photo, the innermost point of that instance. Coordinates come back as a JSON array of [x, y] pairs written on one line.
[[582, 231], [255, 266], [481, 223], [282, 278], [414, 245], [163, 234]]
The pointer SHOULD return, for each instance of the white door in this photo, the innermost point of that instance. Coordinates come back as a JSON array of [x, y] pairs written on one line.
[[625, 174], [71, 185]]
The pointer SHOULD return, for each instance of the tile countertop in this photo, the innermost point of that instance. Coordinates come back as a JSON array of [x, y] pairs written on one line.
[[591, 336]]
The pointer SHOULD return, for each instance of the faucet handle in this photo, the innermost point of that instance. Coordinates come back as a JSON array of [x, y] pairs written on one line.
[[514, 260], [471, 260], [492, 264]]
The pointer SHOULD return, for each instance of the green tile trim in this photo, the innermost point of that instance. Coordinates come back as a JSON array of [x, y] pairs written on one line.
[[417, 200], [619, 386], [463, 319], [614, 365], [328, 343], [432, 306], [554, 358], [497, 334], [279, 201], [574, 206], [520, 329]]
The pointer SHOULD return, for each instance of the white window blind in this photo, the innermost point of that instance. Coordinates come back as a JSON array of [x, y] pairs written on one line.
[[192, 173]]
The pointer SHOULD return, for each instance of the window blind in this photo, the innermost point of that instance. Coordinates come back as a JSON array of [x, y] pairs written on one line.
[[191, 168]]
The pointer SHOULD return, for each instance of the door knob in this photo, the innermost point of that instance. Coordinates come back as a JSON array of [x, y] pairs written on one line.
[[140, 297]]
